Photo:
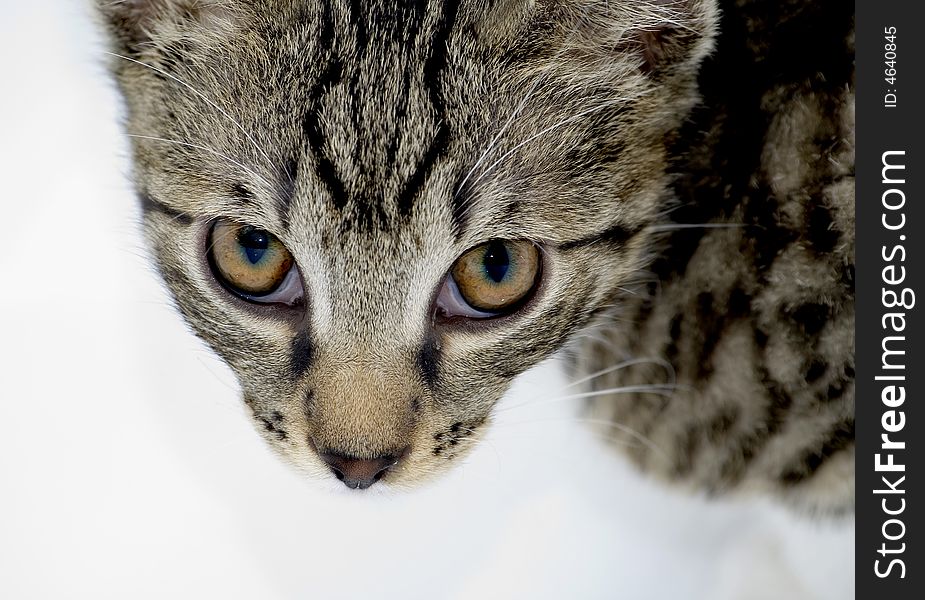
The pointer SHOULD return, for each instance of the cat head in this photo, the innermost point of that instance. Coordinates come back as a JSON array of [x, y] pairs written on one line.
[[380, 213]]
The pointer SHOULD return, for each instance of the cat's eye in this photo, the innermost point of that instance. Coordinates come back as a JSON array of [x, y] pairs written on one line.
[[492, 279], [253, 263]]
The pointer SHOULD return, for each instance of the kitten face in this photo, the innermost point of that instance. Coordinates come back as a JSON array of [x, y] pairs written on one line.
[[378, 143]]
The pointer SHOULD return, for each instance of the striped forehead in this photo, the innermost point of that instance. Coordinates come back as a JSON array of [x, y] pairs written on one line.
[[374, 127]]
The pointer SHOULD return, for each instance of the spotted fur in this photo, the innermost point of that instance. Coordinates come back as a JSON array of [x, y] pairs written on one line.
[[753, 312], [379, 140]]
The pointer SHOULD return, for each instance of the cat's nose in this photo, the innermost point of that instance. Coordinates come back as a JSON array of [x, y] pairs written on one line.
[[360, 473]]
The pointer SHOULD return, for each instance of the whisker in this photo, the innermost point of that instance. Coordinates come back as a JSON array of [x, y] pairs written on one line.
[[550, 129], [214, 240], [206, 149], [646, 441], [206, 99], [494, 140], [216, 375], [674, 226], [595, 335], [661, 389], [669, 369], [629, 431]]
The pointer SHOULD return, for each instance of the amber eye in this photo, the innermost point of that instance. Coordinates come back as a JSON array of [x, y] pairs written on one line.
[[491, 279], [248, 260]]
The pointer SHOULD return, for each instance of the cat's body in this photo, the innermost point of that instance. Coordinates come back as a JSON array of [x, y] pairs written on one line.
[[754, 311], [371, 150]]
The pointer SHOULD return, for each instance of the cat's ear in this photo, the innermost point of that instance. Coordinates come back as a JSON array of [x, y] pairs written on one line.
[[135, 23], [667, 35]]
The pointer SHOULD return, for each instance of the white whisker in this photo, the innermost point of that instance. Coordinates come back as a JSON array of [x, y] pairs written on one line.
[[661, 389], [674, 226], [548, 130], [627, 363], [208, 368], [632, 433], [647, 442], [205, 149], [494, 140], [206, 99]]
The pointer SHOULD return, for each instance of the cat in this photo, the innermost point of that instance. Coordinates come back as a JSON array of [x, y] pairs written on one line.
[[380, 213], [754, 312]]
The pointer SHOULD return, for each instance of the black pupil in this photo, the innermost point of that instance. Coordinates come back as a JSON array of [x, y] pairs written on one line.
[[255, 243], [496, 261]]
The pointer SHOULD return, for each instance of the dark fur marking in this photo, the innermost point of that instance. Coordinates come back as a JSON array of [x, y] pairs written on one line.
[[835, 391], [761, 338], [359, 24], [615, 235], [722, 423], [272, 428], [412, 187], [308, 405], [811, 317], [739, 304], [751, 444], [326, 170], [690, 441], [457, 432], [713, 327], [511, 210], [175, 59], [598, 147], [150, 205], [822, 235], [653, 50], [674, 331], [769, 238], [688, 446], [815, 370], [367, 210], [412, 14], [433, 73], [311, 125], [428, 361], [461, 202], [302, 350], [645, 308], [391, 151], [287, 186], [240, 193], [840, 437]]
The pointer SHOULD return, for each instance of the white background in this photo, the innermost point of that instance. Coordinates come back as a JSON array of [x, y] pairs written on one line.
[[128, 468]]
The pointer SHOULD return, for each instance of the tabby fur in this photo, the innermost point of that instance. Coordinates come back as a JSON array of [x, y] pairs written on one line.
[[379, 140]]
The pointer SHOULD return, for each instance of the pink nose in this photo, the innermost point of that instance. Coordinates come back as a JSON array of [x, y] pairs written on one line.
[[359, 473]]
